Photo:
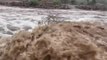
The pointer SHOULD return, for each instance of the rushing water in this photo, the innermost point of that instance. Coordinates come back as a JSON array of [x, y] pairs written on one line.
[[13, 19]]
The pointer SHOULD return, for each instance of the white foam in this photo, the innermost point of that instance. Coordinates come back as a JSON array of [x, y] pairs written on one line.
[[20, 17]]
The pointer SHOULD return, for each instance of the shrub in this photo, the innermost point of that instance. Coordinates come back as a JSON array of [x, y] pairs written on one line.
[[56, 2], [34, 2]]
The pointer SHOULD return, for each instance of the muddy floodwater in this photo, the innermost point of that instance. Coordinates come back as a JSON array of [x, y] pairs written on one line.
[[14, 19]]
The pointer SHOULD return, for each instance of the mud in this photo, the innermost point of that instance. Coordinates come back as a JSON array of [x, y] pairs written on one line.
[[63, 41]]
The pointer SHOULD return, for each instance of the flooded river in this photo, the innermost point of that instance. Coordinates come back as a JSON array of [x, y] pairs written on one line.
[[13, 19]]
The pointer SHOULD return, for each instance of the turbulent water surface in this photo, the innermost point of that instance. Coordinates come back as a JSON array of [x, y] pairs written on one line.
[[13, 19]]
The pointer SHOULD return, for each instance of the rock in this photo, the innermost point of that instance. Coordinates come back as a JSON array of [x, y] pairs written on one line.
[[0, 37], [65, 6], [9, 32], [12, 28], [27, 27], [1, 29]]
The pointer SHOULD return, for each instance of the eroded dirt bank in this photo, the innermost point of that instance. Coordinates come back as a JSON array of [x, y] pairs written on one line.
[[63, 41]]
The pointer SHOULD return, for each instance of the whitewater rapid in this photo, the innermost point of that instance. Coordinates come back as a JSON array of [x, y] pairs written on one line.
[[14, 19]]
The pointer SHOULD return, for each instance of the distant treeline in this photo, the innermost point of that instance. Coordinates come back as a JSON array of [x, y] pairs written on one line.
[[75, 2], [63, 4]]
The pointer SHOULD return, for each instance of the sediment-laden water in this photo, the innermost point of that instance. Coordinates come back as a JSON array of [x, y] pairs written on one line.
[[14, 19]]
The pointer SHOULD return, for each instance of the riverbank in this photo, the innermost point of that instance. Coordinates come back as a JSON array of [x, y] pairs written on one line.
[[28, 4], [100, 7], [47, 5]]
